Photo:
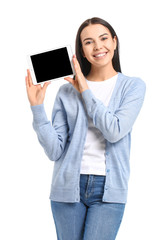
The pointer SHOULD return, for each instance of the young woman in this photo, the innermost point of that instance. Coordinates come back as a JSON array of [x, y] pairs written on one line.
[[89, 136]]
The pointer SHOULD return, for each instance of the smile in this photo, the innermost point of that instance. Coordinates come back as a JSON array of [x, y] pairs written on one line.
[[100, 55]]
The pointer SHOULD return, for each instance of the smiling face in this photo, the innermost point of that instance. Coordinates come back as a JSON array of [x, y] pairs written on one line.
[[98, 45]]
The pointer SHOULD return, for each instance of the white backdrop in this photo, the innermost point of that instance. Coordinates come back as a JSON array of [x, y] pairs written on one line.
[[25, 172]]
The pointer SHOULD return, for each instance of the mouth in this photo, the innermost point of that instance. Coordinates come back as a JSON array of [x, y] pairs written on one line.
[[100, 55]]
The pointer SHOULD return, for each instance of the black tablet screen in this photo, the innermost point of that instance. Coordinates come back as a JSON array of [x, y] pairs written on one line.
[[52, 64]]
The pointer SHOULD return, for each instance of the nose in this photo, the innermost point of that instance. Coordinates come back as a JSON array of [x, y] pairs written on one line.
[[97, 46]]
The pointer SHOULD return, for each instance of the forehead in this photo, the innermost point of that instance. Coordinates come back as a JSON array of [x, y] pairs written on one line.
[[93, 31]]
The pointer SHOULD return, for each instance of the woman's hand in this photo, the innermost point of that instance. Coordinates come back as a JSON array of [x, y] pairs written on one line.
[[36, 93], [79, 83]]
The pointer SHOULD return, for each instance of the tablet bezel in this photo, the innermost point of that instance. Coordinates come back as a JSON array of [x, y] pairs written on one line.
[[70, 54]]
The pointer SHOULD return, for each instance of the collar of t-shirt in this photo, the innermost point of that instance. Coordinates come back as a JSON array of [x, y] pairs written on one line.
[[103, 89]]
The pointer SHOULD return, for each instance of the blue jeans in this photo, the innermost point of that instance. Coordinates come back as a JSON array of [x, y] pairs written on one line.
[[89, 219]]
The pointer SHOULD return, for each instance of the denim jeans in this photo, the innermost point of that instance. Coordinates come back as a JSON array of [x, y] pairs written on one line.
[[89, 219]]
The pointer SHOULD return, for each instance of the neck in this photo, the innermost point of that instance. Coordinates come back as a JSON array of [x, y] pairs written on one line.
[[101, 73]]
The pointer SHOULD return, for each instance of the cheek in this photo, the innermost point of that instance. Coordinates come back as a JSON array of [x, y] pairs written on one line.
[[111, 48], [87, 50], [110, 45], [88, 57]]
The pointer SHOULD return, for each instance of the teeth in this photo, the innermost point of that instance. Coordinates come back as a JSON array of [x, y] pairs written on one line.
[[100, 55]]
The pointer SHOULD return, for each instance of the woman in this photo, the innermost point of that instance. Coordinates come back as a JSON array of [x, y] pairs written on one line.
[[89, 137]]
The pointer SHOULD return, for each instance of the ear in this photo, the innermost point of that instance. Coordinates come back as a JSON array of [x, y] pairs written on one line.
[[115, 42]]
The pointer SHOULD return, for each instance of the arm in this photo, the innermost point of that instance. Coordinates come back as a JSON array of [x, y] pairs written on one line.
[[51, 137], [115, 125]]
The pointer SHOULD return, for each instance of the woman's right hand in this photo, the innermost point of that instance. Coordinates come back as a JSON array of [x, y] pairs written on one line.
[[36, 93]]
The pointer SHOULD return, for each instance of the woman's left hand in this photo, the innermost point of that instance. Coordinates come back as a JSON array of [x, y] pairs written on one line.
[[79, 83]]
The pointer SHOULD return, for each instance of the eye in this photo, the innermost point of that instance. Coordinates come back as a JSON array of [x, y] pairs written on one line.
[[88, 42], [104, 38]]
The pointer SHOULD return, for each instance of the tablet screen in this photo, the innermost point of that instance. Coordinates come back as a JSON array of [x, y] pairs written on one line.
[[51, 65]]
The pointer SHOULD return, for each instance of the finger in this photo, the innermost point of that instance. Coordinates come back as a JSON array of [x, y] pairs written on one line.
[[29, 78], [46, 85], [27, 84], [79, 75], [76, 64], [71, 80]]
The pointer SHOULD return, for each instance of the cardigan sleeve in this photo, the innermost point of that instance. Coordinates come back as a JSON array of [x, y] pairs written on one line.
[[51, 135], [115, 125]]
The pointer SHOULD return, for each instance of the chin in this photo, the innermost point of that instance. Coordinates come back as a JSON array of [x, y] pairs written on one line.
[[101, 64]]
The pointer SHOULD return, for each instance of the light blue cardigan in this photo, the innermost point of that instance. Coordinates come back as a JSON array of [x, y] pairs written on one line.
[[63, 139]]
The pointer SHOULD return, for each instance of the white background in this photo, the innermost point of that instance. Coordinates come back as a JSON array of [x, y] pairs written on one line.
[[25, 172]]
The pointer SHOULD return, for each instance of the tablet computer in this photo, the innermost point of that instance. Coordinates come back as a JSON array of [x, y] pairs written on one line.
[[51, 65]]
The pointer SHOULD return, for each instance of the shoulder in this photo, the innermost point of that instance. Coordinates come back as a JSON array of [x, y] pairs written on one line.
[[66, 92], [131, 83], [131, 80], [66, 87]]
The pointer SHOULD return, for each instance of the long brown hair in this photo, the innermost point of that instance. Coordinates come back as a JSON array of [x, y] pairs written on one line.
[[85, 65]]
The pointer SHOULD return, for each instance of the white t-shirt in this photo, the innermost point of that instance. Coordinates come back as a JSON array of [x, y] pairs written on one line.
[[94, 159]]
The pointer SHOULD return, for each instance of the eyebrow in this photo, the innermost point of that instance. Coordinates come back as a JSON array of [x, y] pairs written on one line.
[[92, 38]]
